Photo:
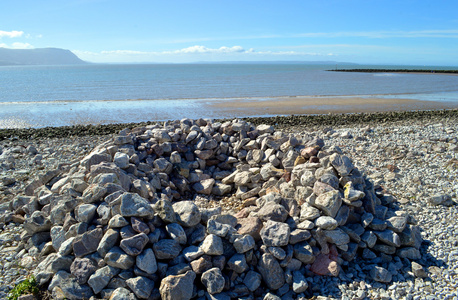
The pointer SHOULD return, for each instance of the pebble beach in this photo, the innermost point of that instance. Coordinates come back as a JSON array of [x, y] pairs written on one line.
[[411, 156]]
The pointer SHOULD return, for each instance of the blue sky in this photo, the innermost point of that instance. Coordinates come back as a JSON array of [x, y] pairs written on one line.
[[421, 32]]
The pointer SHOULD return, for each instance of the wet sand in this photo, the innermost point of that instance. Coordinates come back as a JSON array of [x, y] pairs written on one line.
[[322, 105]]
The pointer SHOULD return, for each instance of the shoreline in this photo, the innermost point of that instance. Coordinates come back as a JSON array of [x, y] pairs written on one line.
[[310, 121]]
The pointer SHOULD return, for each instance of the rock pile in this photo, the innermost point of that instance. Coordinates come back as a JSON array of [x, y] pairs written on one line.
[[123, 223]]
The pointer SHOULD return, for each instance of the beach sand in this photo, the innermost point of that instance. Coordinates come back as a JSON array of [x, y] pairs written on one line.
[[322, 105]]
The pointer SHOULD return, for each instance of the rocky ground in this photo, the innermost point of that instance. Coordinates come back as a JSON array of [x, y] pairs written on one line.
[[412, 156]]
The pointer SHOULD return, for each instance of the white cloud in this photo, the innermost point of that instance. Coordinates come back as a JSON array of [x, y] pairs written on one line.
[[17, 45], [193, 53], [11, 34]]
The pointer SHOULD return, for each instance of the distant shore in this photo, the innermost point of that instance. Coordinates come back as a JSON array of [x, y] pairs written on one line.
[[421, 71]]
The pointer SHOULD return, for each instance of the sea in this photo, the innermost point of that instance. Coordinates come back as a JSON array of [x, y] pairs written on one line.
[[41, 96]]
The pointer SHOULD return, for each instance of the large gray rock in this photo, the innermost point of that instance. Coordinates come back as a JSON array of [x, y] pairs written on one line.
[[87, 243], [166, 249], [380, 274], [342, 164], [70, 289], [165, 211], [85, 213], [388, 237], [146, 261], [271, 271], [179, 287], [122, 294], [212, 245], [108, 241], [275, 234], [134, 245], [252, 280], [304, 253], [37, 222], [273, 211], [329, 203], [177, 233], [213, 280], [187, 213], [99, 280], [141, 286], [132, 205], [119, 259], [82, 268]]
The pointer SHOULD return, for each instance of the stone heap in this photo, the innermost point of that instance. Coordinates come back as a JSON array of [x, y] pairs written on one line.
[[123, 223]]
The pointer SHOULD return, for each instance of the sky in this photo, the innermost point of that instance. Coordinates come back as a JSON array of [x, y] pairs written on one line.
[[412, 32]]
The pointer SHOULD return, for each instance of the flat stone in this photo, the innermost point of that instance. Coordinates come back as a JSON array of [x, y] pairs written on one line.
[[70, 289], [418, 270], [337, 236], [179, 287], [117, 221], [213, 280], [85, 213], [275, 233], [299, 235]]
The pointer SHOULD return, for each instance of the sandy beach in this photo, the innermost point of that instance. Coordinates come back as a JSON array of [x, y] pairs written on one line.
[[322, 105]]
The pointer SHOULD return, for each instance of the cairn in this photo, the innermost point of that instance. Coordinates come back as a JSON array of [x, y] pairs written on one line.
[[126, 222]]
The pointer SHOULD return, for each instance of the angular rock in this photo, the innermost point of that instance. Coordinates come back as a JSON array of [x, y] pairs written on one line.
[[252, 280], [380, 274], [187, 213], [133, 205], [179, 287], [329, 203], [212, 245], [82, 268], [275, 234], [87, 243], [146, 261], [134, 245], [166, 249], [271, 271], [141, 286], [273, 211], [99, 280], [177, 233], [213, 280], [119, 259]]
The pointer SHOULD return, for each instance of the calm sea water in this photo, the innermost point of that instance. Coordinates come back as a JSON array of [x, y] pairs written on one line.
[[36, 96]]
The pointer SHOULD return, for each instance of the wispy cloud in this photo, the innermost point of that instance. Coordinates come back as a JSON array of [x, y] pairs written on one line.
[[11, 34]]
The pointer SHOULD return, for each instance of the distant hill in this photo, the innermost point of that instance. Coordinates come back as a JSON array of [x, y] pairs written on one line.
[[39, 56]]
